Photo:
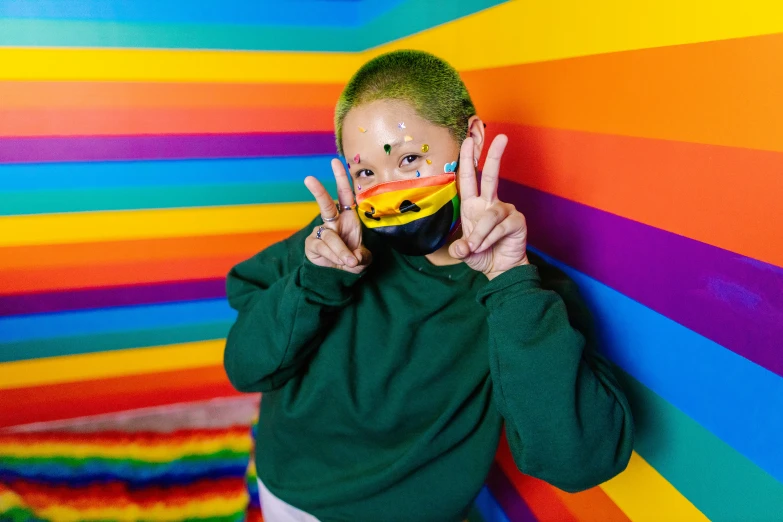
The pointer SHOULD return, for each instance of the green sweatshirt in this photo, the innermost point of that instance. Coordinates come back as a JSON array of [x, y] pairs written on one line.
[[384, 393]]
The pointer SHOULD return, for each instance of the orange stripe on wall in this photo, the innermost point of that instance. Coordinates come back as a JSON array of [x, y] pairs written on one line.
[[120, 121], [20, 281], [592, 505], [549, 503], [69, 400], [91, 254], [686, 188], [92, 95], [724, 93]]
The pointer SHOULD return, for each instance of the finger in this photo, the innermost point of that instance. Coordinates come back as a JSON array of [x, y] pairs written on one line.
[[320, 249], [459, 249], [363, 255], [336, 245], [503, 229], [467, 174], [322, 197], [344, 191], [491, 173], [488, 221]]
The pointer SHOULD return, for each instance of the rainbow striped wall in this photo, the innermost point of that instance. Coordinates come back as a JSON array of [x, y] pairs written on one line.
[[146, 147]]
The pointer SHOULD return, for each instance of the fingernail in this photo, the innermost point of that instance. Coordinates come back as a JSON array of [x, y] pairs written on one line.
[[471, 246], [459, 251], [350, 261]]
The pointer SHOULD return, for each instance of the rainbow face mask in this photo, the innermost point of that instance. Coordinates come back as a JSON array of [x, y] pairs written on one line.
[[415, 216]]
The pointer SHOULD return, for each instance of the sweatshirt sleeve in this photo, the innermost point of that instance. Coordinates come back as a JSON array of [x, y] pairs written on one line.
[[567, 420], [285, 304]]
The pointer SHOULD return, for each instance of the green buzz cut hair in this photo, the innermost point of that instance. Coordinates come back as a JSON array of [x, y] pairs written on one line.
[[432, 86]]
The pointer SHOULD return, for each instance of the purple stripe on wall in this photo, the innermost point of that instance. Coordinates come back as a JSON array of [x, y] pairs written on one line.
[[506, 495], [111, 296], [108, 148], [734, 300]]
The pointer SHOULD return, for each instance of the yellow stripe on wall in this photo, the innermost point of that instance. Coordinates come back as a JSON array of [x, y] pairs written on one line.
[[86, 227], [645, 496], [149, 65], [74, 368], [520, 31], [524, 31]]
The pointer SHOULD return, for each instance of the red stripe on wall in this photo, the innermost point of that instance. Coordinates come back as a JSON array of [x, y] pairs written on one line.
[[723, 196], [21, 281], [95, 397], [92, 95], [110, 252], [538, 495], [116, 263], [132, 121]]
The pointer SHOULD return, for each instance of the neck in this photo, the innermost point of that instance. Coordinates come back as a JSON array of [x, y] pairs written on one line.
[[441, 257]]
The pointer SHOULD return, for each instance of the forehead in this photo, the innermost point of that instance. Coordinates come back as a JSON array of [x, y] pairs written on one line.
[[380, 122]]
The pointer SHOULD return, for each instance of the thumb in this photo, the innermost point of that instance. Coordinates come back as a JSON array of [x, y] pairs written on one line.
[[363, 255], [459, 249]]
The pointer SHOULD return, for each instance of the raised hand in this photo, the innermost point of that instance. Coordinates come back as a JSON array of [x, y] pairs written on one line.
[[339, 243], [494, 233]]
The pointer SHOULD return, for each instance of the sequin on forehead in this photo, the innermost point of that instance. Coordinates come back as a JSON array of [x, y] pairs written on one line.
[[356, 159], [408, 138], [387, 148], [362, 129], [425, 148], [401, 125]]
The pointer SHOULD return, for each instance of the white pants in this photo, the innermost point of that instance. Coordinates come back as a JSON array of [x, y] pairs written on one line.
[[275, 510]]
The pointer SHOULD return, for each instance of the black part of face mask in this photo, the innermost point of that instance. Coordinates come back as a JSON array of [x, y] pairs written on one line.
[[422, 236]]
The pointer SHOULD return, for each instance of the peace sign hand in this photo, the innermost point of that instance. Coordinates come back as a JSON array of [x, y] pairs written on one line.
[[339, 242], [494, 234]]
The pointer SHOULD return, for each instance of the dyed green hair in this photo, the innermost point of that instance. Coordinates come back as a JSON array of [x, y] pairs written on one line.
[[432, 86]]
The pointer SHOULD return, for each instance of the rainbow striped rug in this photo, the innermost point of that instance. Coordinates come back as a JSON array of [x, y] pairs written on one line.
[[179, 463]]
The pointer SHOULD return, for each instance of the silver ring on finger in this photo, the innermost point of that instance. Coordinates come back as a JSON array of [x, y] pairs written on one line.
[[319, 232], [346, 208], [331, 219]]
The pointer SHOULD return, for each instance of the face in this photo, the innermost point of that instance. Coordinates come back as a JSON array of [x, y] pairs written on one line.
[[382, 151]]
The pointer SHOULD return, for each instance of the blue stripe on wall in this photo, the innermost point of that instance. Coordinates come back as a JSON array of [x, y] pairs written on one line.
[[111, 174], [489, 508], [727, 394], [338, 13], [125, 318]]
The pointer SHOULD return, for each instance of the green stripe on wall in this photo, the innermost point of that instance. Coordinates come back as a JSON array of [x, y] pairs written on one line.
[[408, 18], [135, 198], [113, 341], [719, 481]]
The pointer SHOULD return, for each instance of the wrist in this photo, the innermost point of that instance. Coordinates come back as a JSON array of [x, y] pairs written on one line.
[[522, 262]]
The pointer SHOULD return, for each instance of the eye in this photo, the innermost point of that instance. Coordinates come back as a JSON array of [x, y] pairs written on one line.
[[364, 173], [407, 160]]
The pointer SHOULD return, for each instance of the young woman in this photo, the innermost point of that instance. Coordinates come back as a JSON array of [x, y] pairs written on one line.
[[393, 339]]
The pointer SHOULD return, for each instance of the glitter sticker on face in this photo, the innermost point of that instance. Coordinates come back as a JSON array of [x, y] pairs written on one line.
[[425, 148], [408, 138], [401, 125], [362, 129], [450, 167], [429, 161], [387, 148], [356, 159]]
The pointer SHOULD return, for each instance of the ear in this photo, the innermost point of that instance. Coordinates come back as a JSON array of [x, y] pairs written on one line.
[[476, 131]]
